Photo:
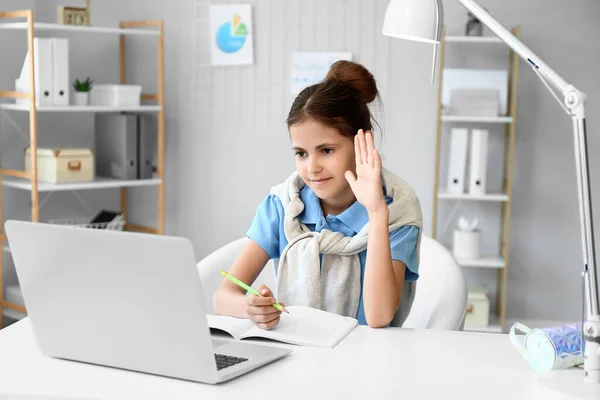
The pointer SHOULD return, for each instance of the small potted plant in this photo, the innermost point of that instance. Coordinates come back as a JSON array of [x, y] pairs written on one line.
[[82, 91]]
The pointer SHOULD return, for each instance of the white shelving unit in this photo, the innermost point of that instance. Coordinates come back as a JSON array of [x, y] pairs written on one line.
[[494, 326], [491, 261], [484, 120], [473, 39], [11, 301], [45, 26], [443, 194], [97, 183], [92, 109], [498, 262]]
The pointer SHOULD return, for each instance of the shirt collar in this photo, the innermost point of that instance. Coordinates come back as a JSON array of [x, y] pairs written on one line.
[[355, 216], [312, 206]]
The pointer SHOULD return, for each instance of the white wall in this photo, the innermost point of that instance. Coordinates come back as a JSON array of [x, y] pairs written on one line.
[[227, 142], [243, 111]]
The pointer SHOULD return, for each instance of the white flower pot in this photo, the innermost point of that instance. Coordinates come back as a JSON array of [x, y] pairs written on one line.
[[81, 98]]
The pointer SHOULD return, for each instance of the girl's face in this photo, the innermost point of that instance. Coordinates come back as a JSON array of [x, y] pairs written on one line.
[[323, 155]]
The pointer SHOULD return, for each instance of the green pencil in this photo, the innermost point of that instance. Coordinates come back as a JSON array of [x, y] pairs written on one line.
[[248, 288]]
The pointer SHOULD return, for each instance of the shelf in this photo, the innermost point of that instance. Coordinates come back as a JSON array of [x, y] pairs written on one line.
[[14, 295], [472, 39], [493, 327], [467, 118], [443, 194], [44, 26], [25, 107], [484, 262], [98, 183], [13, 314]]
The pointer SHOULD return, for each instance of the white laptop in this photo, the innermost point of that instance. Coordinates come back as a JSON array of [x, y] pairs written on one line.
[[124, 300]]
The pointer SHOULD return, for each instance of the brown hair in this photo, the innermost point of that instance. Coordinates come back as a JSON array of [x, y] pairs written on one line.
[[340, 101]]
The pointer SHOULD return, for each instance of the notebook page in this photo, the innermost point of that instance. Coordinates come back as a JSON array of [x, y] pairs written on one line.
[[236, 327], [306, 326]]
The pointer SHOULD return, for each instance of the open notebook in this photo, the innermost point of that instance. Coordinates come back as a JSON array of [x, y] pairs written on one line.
[[303, 326]]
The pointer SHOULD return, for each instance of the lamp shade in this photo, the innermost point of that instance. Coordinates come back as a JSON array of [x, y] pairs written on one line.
[[418, 20]]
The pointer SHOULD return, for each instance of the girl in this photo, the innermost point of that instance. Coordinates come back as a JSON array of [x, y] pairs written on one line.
[[345, 230]]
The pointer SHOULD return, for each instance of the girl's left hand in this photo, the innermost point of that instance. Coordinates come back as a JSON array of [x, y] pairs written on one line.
[[367, 186]]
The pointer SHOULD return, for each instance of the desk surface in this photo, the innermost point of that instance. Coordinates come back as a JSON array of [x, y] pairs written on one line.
[[368, 364]]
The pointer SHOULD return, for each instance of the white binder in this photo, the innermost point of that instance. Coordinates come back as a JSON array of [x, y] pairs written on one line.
[[61, 85], [43, 72], [457, 160], [479, 152]]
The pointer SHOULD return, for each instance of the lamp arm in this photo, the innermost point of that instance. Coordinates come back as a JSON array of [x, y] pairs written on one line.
[[574, 101], [515, 44]]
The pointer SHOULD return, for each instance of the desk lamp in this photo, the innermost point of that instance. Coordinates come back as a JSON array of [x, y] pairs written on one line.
[[422, 20]]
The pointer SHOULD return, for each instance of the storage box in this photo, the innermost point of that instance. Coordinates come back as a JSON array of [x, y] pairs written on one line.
[[115, 95], [475, 102], [62, 165], [478, 308]]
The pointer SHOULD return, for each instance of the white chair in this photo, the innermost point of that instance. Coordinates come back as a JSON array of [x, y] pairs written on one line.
[[441, 297], [440, 301], [221, 259]]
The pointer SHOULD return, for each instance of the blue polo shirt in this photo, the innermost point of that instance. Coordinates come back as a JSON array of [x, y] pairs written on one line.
[[267, 231]]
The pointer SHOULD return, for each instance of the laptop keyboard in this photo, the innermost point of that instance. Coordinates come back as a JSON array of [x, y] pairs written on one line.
[[224, 361]]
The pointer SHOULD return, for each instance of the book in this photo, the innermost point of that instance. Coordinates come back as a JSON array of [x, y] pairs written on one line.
[[303, 326]]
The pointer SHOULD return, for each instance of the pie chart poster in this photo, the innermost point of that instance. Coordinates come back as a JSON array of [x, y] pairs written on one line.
[[231, 34]]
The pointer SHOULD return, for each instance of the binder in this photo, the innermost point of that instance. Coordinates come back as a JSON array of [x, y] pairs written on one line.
[[147, 138], [479, 152], [457, 160], [116, 145], [43, 72], [61, 84]]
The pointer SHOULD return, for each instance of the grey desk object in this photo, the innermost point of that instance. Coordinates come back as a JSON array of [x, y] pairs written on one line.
[[146, 144], [116, 145]]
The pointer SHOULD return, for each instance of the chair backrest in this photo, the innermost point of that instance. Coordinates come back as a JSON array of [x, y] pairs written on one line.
[[440, 301], [441, 298], [221, 259]]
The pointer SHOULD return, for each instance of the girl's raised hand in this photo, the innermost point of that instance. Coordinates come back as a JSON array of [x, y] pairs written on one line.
[[366, 185]]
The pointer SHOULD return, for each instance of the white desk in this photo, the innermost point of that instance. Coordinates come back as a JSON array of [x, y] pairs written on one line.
[[368, 364]]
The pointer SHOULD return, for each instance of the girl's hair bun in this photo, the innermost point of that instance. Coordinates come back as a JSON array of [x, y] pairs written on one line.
[[356, 76]]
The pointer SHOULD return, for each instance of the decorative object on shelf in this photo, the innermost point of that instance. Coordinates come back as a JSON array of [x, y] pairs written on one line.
[[467, 240], [475, 102], [459, 141], [549, 349], [82, 91], [479, 155], [464, 78], [474, 26], [478, 308], [110, 220], [62, 165], [74, 15], [116, 95]]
